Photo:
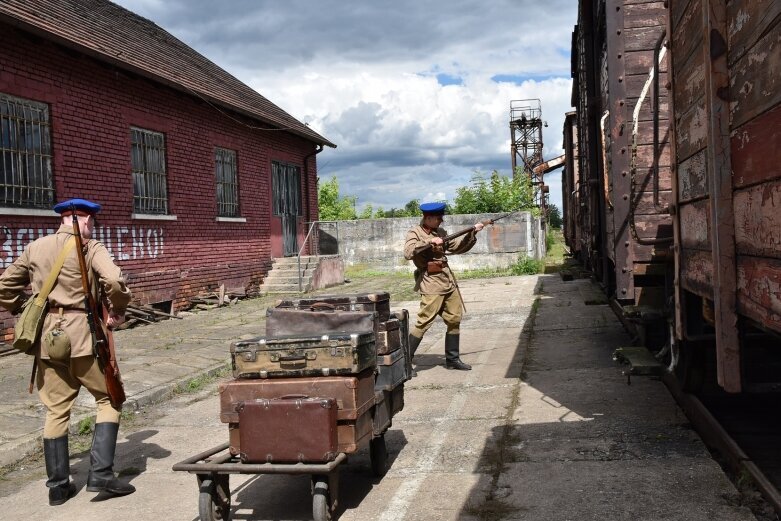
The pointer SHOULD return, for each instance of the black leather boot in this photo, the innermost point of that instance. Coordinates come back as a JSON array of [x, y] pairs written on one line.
[[452, 360], [58, 470], [414, 342], [101, 474]]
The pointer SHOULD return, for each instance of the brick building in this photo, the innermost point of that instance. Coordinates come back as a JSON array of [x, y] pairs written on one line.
[[203, 180]]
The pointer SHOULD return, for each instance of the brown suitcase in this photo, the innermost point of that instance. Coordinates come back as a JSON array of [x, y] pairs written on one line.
[[388, 336], [304, 355], [352, 435], [355, 434], [403, 318], [282, 322], [391, 371], [290, 429], [354, 395], [376, 301]]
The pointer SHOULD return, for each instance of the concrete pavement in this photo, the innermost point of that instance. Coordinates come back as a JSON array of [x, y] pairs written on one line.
[[544, 427]]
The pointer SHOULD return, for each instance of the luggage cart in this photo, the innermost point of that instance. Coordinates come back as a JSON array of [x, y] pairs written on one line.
[[213, 468]]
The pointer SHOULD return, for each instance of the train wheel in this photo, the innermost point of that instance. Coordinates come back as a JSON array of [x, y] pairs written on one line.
[[321, 499]]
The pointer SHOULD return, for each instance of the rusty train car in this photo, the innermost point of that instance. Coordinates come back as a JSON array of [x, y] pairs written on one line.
[[672, 183]]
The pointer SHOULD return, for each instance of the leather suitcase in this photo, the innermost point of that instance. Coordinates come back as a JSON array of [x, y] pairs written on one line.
[[403, 317], [376, 301], [281, 322], [388, 336], [391, 371], [355, 434], [303, 355], [354, 395], [290, 429], [352, 435]]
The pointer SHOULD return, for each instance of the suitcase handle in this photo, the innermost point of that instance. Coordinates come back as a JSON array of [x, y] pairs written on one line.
[[322, 305], [293, 397]]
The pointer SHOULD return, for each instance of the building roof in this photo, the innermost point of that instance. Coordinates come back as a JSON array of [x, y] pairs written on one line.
[[113, 34]]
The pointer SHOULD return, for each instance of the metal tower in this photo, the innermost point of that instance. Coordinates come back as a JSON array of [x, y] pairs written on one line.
[[526, 140]]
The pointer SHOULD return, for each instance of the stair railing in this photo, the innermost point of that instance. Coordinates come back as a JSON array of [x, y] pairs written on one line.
[[313, 235]]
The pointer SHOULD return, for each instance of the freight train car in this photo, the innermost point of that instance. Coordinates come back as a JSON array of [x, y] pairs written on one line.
[[681, 220]]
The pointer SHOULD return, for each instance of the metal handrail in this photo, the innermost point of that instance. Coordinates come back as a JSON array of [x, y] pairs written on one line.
[[304, 243]]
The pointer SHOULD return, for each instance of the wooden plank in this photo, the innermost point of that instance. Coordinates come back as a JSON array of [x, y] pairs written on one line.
[[640, 62], [642, 38], [696, 270], [758, 220], [748, 19], [655, 226], [645, 155], [759, 290], [695, 225], [755, 79], [645, 132], [677, 9], [687, 35], [644, 202], [651, 14], [651, 252], [756, 147], [645, 109], [689, 83], [691, 131], [644, 178], [650, 268], [692, 177], [717, 81], [636, 82], [651, 296]]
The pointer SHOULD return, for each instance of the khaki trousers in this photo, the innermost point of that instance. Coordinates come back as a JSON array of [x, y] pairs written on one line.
[[58, 386], [448, 306]]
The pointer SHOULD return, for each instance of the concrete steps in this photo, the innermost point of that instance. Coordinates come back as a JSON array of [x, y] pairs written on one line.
[[283, 276]]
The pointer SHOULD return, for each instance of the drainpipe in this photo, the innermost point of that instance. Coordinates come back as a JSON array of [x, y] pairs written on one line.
[[308, 216]]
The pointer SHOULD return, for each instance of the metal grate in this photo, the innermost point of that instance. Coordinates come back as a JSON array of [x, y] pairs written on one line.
[[227, 183], [150, 195], [25, 154]]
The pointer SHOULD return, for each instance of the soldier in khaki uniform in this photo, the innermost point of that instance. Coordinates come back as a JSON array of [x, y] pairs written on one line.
[[435, 281], [61, 374]]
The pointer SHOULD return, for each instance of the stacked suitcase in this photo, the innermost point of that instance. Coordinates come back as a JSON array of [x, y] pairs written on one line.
[[327, 377]]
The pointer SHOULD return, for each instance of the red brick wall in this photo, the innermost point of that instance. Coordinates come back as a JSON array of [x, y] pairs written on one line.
[[92, 107]]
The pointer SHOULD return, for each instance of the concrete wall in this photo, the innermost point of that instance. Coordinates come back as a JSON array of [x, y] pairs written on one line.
[[380, 242]]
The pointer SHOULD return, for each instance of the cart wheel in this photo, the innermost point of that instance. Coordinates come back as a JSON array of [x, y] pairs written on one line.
[[208, 508], [321, 499], [378, 454]]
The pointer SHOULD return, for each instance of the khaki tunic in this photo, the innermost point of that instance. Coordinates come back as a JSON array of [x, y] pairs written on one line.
[[34, 266], [438, 283]]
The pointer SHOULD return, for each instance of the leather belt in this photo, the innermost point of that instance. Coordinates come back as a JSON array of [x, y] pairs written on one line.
[[65, 311]]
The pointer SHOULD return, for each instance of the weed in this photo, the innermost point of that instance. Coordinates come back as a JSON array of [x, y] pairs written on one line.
[[85, 426]]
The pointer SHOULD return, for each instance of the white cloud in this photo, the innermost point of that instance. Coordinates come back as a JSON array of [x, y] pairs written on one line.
[[365, 76]]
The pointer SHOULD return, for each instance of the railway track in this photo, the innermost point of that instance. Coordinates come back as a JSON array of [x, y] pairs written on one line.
[[745, 431]]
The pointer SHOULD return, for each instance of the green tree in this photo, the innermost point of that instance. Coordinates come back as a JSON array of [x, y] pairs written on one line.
[[332, 206], [495, 194], [367, 212], [412, 208], [554, 216]]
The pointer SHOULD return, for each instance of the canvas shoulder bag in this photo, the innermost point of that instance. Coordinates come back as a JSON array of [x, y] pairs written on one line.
[[30, 322]]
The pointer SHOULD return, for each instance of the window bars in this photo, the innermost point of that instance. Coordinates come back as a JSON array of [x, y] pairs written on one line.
[[150, 195], [227, 183], [25, 154]]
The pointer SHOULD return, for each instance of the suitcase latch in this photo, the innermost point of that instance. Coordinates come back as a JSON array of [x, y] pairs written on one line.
[[249, 356]]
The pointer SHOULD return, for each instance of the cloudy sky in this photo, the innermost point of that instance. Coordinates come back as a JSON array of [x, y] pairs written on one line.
[[416, 94]]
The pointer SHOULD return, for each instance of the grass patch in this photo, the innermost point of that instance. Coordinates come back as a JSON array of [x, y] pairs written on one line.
[[556, 250], [198, 383], [86, 426]]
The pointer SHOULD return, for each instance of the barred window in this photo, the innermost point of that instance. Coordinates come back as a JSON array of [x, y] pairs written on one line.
[[227, 183], [25, 154], [150, 194]]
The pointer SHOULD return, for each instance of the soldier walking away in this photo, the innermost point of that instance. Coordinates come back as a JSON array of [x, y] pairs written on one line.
[[425, 246], [64, 351]]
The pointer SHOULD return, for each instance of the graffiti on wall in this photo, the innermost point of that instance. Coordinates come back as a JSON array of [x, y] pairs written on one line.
[[123, 242]]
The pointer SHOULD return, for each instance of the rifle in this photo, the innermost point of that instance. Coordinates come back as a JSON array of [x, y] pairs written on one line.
[[459, 233], [102, 338]]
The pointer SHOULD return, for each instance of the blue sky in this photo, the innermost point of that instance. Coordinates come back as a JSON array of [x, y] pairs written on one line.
[[415, 94]]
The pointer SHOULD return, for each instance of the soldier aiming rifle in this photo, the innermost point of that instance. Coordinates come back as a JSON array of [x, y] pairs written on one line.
[[425, 246]]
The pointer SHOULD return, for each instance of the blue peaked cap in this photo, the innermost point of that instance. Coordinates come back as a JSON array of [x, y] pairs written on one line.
[[79, 204], [435, 208]]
